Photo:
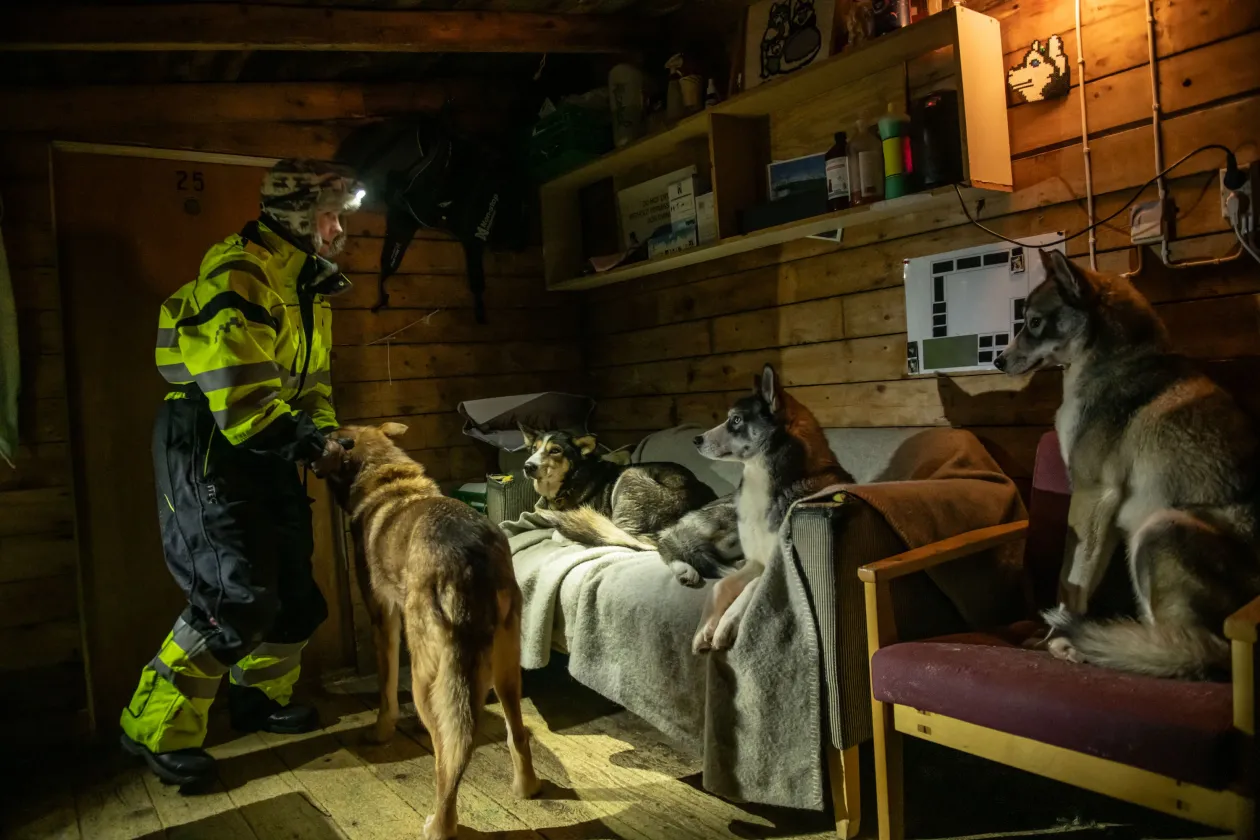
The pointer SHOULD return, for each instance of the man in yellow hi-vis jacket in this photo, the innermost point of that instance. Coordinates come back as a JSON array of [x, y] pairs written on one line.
[[245, 348]]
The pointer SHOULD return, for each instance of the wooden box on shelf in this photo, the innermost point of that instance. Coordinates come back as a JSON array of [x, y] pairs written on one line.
[[958, 49]]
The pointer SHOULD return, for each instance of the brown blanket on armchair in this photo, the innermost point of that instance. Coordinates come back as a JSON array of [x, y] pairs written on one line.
[[942, 483]]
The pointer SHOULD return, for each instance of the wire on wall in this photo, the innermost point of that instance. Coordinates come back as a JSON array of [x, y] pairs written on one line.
[[1233, 179], [1089, 168], [1157, 127]]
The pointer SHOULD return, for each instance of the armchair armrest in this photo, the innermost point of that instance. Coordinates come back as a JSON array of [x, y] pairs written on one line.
[[508, 496], [1241, 626], [1240, 629], [943, 551]]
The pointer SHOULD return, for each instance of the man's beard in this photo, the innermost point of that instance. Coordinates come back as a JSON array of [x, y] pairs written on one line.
[[333, 248]]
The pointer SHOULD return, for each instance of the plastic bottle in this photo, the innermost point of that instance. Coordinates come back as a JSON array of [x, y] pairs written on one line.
[[711, 95], [894, 132], [866, 166], [837, 159], [675, 108], [890, 15], [625, 98]]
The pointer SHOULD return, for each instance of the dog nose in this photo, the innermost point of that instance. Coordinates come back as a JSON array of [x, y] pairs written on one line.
[[1000, 361], [697, 440], [531, 469]]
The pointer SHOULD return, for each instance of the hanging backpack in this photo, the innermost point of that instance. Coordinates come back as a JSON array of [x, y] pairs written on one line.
[[427, 176]]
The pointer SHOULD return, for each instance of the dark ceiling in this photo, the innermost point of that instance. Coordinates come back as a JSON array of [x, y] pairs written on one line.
[[79, 68]]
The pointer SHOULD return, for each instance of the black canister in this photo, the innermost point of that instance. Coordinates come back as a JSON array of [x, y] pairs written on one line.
[[937, 140]]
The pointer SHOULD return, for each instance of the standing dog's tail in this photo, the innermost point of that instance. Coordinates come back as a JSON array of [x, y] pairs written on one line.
[[1157, 650], [587, 526]]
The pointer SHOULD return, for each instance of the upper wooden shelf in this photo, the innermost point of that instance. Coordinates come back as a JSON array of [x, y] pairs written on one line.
[[733, 141], [850, 217]]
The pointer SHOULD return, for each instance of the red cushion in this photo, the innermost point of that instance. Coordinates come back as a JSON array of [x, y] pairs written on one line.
[[1048, 503], [1176, 728]]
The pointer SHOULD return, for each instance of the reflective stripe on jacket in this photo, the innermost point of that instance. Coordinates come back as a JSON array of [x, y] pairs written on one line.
[[253, 332]]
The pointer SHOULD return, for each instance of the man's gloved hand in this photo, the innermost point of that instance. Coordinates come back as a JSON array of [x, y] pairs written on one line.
[[330, 461]]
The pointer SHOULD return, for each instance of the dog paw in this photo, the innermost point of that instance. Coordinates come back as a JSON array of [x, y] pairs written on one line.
[[702, 642], [526, 787], [381, 733], [434, 831], [686, 575], [1061, 648], [724, 638]]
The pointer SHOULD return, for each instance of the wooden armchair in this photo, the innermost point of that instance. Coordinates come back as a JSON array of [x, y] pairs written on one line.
[[1184, 748]]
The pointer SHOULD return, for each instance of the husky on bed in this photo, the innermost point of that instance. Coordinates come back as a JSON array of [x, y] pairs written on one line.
[[594, 501], [785, 458]]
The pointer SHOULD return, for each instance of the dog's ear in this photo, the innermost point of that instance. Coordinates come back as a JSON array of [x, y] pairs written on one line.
[[393, 430], [1073, 285], [531, 435], [769, 388], [585, 444]]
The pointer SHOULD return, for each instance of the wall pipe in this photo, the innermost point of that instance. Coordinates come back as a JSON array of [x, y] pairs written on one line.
[[1157, 127], [1089, 168]]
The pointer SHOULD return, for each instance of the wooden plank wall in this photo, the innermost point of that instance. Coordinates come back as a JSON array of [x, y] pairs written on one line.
[[426, 369], [417, 360], [678, 347], [41, 667]]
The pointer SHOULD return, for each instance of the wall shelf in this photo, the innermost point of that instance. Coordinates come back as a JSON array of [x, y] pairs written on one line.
[[851, 217], [732, 142]]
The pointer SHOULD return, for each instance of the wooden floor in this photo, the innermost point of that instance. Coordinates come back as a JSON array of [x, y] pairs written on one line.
[[607, 775]]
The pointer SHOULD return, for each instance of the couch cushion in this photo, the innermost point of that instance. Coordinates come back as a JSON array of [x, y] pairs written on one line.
[[866, 454], [1176, 728], [675, 446]]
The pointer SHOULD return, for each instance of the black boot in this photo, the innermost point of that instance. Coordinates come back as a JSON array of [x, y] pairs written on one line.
[[178, 767], [253, 711]]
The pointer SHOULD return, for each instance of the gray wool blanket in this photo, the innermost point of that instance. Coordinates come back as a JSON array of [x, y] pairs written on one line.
[[754, 712], [751, 712]]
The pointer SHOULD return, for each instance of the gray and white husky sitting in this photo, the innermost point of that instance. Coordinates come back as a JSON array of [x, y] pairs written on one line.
[[786, 458], [1160, 457]]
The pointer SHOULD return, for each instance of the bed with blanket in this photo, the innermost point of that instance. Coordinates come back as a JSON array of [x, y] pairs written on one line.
[[797, 679]]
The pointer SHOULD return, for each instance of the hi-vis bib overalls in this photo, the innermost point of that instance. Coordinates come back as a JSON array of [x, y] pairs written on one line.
[[245, 347]]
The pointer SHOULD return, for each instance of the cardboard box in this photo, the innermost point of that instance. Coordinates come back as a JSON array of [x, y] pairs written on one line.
[[644, 208], [791, 209], [680, 237], [682, 201], [706, 219]]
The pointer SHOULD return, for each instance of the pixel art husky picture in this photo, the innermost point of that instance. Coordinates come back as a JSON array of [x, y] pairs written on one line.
[[1043, 74]]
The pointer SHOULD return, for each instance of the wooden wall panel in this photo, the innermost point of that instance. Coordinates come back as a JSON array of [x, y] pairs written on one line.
[[40, 636], [416, 360], [531, 343], [678, 347]]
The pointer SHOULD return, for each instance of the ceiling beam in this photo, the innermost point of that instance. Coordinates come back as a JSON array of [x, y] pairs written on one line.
[[202, 26], [99, 106]]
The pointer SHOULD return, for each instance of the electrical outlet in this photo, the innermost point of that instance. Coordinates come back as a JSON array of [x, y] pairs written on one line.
[[1149, 222], [1244, 198]]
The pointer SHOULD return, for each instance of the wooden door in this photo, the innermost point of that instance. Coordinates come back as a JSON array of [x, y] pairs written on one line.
[[130, 232]]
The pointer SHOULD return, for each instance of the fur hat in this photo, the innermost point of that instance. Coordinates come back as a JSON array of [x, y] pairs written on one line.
[[294, 191]]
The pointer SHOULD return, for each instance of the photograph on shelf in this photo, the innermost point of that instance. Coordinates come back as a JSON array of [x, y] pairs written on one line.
[[797, 176]]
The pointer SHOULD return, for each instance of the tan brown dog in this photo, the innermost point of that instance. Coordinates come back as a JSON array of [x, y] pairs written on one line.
[[442, 569]]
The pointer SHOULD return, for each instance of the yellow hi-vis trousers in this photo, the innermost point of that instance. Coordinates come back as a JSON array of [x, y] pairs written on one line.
[[171, 706]]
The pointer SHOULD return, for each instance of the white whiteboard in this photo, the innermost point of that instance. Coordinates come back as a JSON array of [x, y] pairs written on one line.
[[963, 307]]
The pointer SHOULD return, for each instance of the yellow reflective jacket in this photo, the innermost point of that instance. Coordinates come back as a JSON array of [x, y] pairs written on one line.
[[253, 333]]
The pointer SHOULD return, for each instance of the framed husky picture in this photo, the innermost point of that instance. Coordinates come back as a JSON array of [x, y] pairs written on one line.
[[783, 36], [1043, 73]]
